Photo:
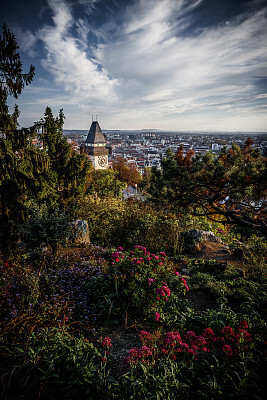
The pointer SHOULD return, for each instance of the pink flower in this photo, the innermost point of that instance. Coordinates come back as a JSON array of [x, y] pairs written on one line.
[[157, 316], [190, 335], [208, 332], [107, 342], [227, 350], [145, 337], [146, 351]]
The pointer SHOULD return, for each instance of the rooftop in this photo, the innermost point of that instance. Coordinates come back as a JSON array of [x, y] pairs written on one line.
[[95, 134]]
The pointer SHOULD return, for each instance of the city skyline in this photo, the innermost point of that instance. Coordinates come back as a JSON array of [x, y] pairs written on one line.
[[144, 64]]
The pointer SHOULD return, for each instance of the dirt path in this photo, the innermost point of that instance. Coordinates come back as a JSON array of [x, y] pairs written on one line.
[[219, 252]]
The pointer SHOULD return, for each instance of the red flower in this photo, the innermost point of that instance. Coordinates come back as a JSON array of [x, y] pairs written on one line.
[[227, 350], [107, 342], [243, 325]]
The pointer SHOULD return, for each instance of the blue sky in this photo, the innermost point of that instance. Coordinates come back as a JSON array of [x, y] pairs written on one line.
[[165, 64]]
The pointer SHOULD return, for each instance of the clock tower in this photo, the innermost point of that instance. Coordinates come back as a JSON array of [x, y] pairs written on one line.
[[95, 147]]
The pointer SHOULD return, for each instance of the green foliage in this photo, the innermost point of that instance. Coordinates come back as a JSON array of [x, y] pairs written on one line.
[[231, 283], [68, 171], [105, 183], [229, 188], [58, 365], [12, 79], [21, 165], [146, 282], [46, 229], [254, 257], [211, 267], [48, 318], [116, 222]]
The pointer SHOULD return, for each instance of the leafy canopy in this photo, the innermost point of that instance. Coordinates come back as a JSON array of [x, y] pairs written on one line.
[[230, 188]]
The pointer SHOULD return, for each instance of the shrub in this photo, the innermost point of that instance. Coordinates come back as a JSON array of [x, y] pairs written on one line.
[[254, 257], [147, 281], [59, 365], [116, 222], [46, 229], [191, 366]]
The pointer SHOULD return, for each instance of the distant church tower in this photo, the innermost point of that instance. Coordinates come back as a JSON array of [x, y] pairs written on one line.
[[95, 147]]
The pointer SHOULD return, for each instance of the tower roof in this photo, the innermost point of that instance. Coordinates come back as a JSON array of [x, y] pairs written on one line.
[[95, 134]]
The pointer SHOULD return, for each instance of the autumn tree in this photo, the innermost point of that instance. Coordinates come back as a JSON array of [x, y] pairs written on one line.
[[230, 187], [127, 174]]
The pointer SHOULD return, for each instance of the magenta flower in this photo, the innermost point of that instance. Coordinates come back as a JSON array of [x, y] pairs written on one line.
[[227, 350], [157, 316], [107, 342]]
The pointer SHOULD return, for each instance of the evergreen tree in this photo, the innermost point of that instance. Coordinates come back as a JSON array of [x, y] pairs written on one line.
[[55, 176], [230, 187], [20, 163], [12, 79], [68, 172]]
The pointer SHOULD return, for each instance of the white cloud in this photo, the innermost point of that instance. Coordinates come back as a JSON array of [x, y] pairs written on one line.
[[149, 70], [26, 40], [69, 65]]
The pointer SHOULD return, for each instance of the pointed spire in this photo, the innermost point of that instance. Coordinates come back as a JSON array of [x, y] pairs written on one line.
[[95, 134]]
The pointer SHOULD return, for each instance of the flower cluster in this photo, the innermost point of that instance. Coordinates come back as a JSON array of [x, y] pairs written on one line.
[[185, 283], [54, 294], [149, 279], [164, 291], [117, 255], [106, 344], [176, 347]]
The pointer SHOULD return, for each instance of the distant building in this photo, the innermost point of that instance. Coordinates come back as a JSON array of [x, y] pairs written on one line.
[[95, 147]]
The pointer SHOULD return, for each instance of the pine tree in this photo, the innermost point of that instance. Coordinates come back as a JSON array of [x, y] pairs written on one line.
[[230, 187], [20, 163], [68, 171]]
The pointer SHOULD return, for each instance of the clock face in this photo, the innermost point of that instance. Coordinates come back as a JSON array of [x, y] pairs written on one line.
[[102, 161]]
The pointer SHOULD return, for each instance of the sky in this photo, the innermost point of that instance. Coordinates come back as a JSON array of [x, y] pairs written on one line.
[[196, 65]]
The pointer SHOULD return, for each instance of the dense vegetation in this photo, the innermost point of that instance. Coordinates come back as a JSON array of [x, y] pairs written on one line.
[[143, 312]]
